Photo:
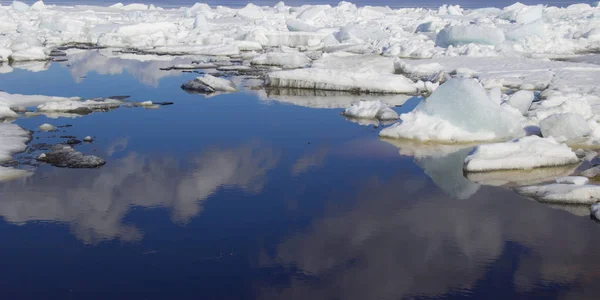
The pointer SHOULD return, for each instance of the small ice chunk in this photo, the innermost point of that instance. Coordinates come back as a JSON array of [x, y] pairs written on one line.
[[521, 154], [46, 127], [64, 156], [521, 100], [88, 139], [209, 84], [460, 35], [562, 193], [566, 127], [576, 180], [146, 103], [373, 109]]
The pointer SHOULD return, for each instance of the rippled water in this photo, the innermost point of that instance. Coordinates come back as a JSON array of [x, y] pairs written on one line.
[[256, 196]]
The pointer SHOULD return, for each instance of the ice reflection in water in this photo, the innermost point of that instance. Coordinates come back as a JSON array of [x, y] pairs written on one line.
[[405, 238], [94, 202]]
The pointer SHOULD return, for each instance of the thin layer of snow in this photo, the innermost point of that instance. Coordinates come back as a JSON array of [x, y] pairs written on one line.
[[521, 154]]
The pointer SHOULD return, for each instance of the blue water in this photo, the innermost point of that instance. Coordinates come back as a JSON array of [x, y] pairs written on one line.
[[392, 4], [237, 197]]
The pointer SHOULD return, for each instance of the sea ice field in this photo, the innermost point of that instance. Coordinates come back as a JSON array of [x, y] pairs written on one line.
[[299, 151]]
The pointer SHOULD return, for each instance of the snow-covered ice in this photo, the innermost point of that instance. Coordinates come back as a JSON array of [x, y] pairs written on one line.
[[460, 110], [371, 110], [576, 180], [209, 84], [562, 193], [526, 153]]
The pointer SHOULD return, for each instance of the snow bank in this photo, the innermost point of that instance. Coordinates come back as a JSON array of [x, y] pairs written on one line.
[[525, 153], [371, 110], [458, 111]]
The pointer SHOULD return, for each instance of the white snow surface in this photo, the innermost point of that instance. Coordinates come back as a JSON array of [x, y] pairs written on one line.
[[521, 154]]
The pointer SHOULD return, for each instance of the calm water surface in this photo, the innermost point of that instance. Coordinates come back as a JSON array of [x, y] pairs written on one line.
[[245, 197]]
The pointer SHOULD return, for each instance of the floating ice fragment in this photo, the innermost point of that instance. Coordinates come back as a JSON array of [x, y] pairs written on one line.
[[522, 154], [46, 127], [209, 84], [374, 109], [562, 193], [458, 111]]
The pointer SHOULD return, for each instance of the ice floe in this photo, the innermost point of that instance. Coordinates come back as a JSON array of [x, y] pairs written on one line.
[[562, 193], [371, 110], [526, 153], [209, 84], [460, 110]]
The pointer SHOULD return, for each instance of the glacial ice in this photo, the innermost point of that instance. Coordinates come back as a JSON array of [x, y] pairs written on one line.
[[458, 111], [526, 153], [13, 139]]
